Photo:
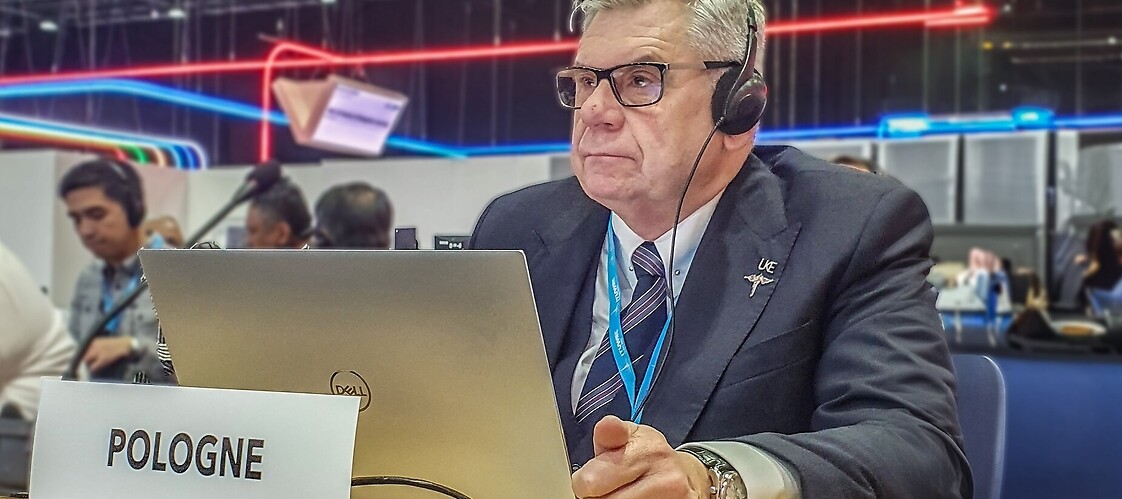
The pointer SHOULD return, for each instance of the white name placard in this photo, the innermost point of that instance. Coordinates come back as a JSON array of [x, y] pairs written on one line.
[[113, 441]]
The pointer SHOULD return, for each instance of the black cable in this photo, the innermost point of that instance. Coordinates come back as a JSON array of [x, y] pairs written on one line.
[[362, 481], [670, 278], [98, 330]]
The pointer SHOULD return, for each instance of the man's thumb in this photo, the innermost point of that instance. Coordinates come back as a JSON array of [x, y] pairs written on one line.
[[612, 433]]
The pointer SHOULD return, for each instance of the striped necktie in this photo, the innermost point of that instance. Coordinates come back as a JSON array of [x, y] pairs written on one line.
[[642, 321]]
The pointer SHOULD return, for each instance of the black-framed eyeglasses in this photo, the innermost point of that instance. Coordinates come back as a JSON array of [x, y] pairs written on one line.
[[635, 84]]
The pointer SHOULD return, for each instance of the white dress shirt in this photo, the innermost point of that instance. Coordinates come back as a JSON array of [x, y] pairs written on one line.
[[33, 337], [690, 231], [764, 476]]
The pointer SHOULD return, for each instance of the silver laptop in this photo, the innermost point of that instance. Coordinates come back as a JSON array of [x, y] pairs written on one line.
[[444, 347]]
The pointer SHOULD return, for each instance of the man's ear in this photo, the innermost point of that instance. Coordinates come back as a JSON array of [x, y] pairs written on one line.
[[283, 231], [744, 141]]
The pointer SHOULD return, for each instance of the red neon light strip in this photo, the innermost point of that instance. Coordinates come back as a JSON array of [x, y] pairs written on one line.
[[958, 16], [964, 22], [266, 131], [367, 59], [950, 17], [77, 144]]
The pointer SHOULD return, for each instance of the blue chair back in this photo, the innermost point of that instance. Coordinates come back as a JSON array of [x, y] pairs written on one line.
[[981, 412]]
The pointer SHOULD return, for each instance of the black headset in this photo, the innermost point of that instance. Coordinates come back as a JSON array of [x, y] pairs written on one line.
[[740, 97], [134, 195]]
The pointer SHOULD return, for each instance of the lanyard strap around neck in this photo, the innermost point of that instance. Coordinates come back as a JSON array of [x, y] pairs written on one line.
[[618, 345]]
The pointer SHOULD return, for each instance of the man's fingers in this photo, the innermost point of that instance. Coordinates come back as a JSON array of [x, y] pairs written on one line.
[[612, 433], [604, 475], [90, 357], [655, 485], [612, 469], [94, 362]]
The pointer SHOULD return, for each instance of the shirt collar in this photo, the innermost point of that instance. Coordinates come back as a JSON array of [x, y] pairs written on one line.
[[690, 232], [130, 268]]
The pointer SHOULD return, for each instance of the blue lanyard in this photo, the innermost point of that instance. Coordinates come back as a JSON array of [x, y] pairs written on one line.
[[155, 242], [107, 301], [619, 345]]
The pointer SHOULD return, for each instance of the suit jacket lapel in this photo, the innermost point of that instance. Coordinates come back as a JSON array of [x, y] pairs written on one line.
[[560, 265], [747, 236]]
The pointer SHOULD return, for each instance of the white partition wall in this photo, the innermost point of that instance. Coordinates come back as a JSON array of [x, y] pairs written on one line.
[[436, 196], [927, 165], [1005, 177], [439, 196], [1088, 176], [33, 221]]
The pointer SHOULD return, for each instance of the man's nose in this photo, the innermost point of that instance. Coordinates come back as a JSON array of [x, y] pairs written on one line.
[[86, 228], [602, 108]]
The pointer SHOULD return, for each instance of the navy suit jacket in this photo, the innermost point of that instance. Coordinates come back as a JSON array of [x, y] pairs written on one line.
[[839, 368]]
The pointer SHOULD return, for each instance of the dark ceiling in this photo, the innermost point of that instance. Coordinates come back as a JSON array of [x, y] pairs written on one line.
[[82, 13], [1064, 54]]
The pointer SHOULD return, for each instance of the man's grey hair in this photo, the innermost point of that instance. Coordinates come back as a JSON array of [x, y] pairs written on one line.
[[717, 31]]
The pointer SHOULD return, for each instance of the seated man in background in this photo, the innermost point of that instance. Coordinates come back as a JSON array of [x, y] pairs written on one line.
[[279, 218], [105, 200], [33, 338], [354, 216]]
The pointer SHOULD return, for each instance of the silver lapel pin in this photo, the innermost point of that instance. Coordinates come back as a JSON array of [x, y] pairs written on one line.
[[757, 280]]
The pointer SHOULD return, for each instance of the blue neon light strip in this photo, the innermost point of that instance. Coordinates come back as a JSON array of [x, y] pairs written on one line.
[[515, 149], [139, 89], [1097, 121], [204, 102], [185, 153], [816, 133], [1022, 118]]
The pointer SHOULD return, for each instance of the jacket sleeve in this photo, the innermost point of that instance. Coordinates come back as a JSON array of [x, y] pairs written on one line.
[[886, 423]]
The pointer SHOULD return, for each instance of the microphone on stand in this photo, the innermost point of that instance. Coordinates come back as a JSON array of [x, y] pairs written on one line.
[[261, 179]]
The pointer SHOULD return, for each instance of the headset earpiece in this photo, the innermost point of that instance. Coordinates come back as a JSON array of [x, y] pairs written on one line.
[[741, 94], [746, 102], [134, 204]]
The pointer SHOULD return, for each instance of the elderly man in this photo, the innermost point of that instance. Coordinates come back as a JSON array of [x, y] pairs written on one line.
[[804, 357]]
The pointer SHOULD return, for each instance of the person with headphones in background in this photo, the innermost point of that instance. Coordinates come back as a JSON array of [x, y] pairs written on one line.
[[105, 200], [725, 320]]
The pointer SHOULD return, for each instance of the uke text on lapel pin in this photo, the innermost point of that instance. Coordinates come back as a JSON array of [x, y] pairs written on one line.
[[760, 279]]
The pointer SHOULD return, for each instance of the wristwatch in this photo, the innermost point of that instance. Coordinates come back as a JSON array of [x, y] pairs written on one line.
[[724, 481]]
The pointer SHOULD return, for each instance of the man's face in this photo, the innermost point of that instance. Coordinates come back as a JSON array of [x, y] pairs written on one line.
[[628, 158], [101, 223], [262, 232]]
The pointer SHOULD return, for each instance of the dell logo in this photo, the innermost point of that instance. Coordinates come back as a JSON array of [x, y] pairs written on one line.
[[351, 384]]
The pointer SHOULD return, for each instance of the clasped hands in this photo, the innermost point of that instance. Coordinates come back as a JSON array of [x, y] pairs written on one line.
[[635, 462]]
